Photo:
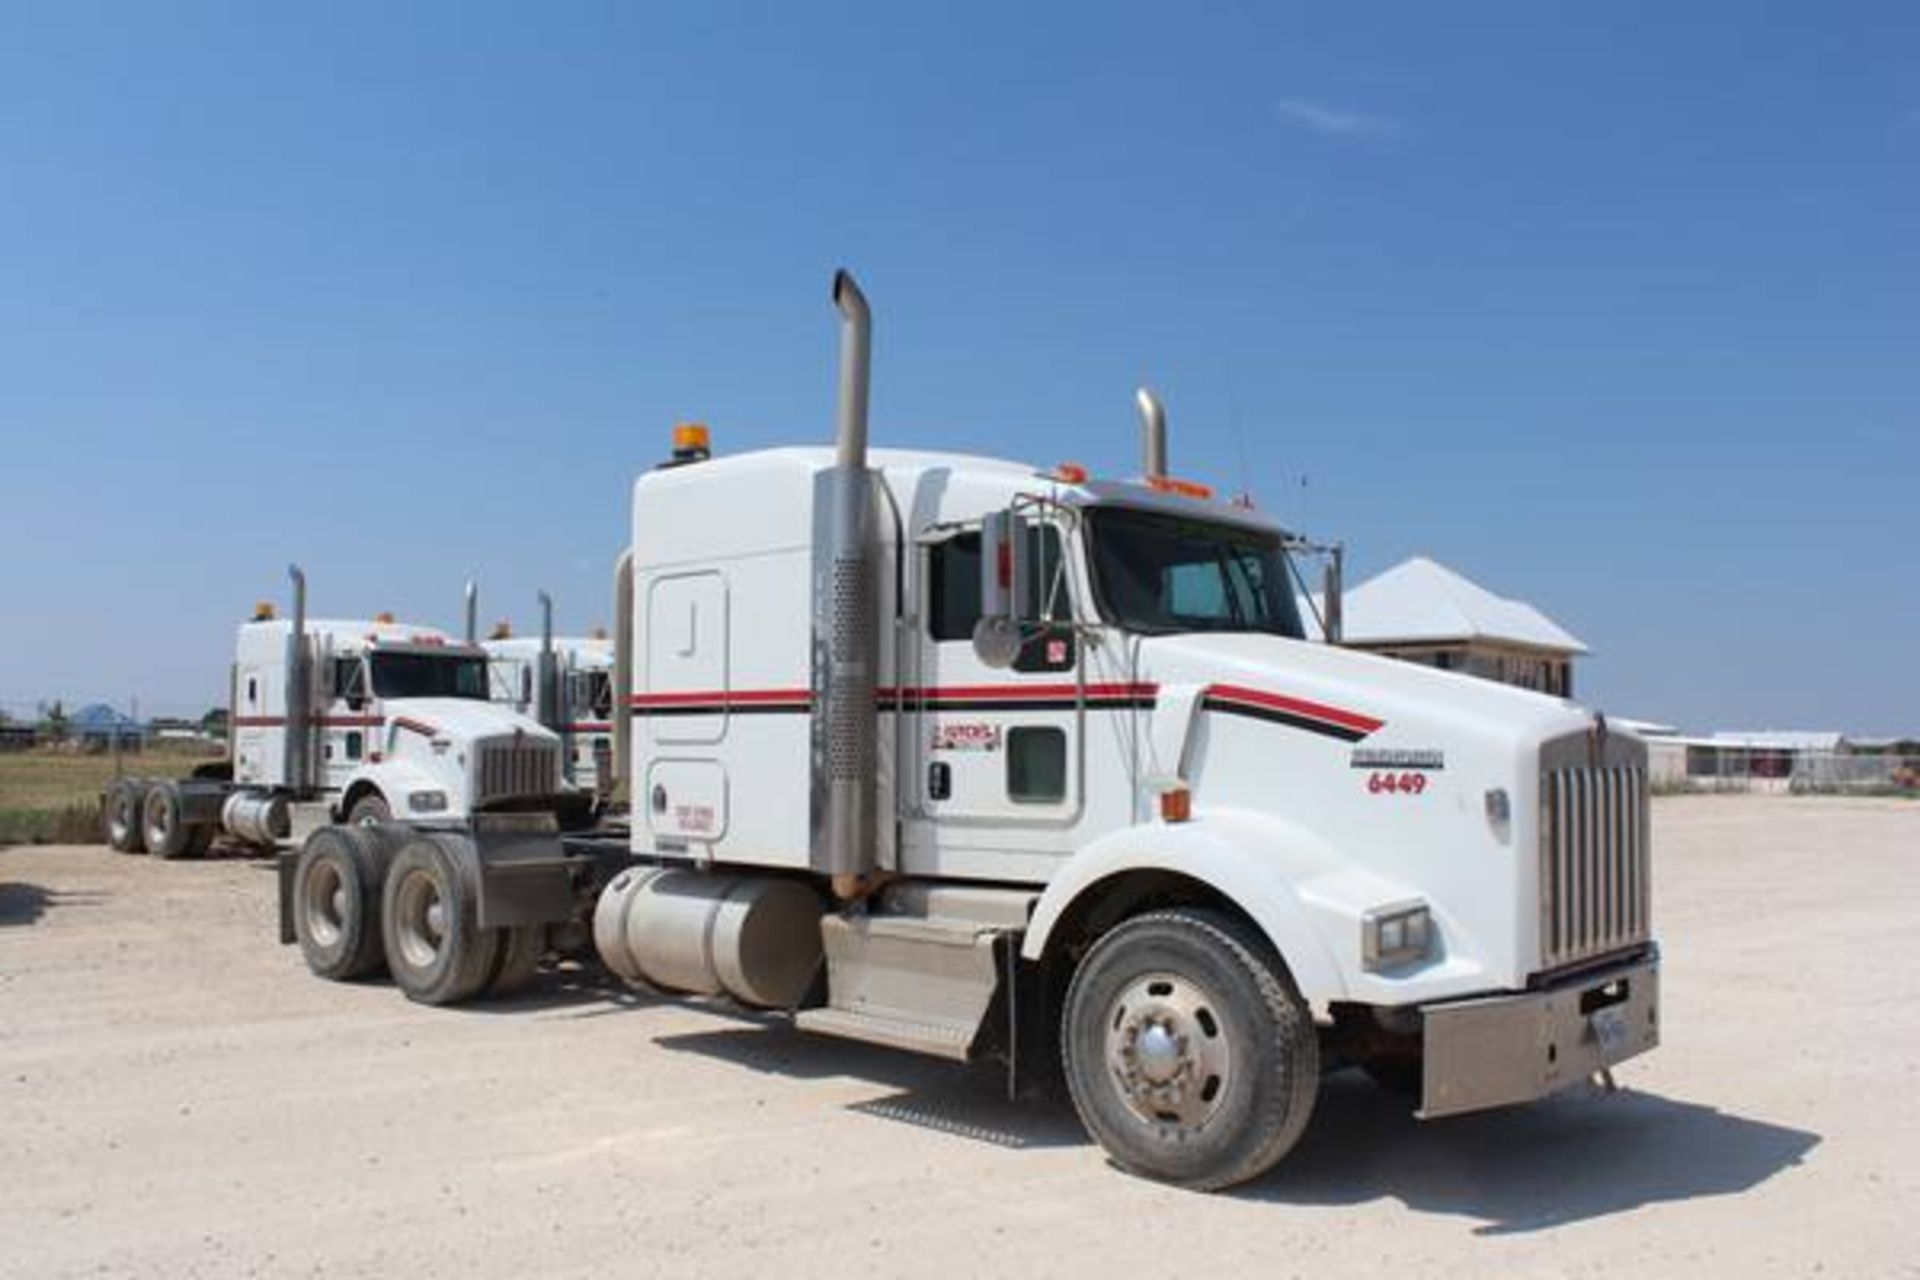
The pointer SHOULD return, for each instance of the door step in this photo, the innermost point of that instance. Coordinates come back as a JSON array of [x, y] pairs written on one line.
[[907, 981], [951, 1040]]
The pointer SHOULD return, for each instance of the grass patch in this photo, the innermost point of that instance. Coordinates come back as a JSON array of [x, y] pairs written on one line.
[[50, 796], [70, 824]]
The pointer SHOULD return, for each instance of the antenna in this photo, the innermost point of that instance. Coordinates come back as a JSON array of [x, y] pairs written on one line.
[[1239, 432]]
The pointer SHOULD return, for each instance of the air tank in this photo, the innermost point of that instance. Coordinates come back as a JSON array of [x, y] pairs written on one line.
[[755, 938]]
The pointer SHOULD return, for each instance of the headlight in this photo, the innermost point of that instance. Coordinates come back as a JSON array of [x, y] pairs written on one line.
[[427, 801], [1394, 935]]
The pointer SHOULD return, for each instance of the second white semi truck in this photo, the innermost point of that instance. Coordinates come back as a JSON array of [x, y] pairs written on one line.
[[355, 721], [985, 759]]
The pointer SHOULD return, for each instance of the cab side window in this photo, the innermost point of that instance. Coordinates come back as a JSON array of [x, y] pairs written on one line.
[[953, 583], [349, 681]]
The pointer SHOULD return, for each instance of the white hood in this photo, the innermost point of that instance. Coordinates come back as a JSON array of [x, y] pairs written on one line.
[[463, 719], [1405, 697]]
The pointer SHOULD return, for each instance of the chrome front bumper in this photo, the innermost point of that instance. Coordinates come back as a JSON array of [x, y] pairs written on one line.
[[1493, 1051]]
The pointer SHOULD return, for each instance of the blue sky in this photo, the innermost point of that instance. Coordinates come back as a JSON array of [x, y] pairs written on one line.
[[1615, 308]]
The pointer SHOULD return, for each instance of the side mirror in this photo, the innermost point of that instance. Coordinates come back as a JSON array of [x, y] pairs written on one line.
[[1005, 600]]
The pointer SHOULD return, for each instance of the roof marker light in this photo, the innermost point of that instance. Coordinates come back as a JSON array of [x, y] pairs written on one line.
[[1070, 473], [1185, 488], [692, 442]]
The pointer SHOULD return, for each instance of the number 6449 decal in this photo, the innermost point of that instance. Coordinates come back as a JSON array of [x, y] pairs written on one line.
[[1411, 784]]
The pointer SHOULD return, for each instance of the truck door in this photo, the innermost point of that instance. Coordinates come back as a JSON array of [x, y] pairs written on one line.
[[999, 752], [348, 730]]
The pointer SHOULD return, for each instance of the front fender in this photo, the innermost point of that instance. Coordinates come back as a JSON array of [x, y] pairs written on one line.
[[394, 779], [1252, 859]]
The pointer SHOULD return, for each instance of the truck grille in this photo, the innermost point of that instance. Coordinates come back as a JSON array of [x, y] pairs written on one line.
[[516, 769], [1595, 890]]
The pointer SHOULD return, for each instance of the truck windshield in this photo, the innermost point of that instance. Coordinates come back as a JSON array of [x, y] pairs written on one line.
[[428, 675], [1159, 574]]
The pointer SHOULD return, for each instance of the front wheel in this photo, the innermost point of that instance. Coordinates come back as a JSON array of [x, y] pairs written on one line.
[[369, 810], [1190, 1056]]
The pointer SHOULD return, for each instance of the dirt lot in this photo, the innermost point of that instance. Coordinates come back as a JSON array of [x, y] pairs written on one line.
[[180, 1098]]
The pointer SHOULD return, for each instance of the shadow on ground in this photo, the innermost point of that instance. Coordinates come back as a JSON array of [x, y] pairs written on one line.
[[576, 990], [22, 903], [1569, 1159], [966, 1101]]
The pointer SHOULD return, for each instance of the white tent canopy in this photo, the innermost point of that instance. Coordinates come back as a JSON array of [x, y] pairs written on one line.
[[1422, 601]]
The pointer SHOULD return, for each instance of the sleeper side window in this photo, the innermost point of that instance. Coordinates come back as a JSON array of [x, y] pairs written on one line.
[[953, 587]]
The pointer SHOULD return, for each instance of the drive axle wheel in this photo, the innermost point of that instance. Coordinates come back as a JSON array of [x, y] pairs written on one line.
[[336, 902], [126, 817], [164, 825], [1190, 1056], [436, 950]]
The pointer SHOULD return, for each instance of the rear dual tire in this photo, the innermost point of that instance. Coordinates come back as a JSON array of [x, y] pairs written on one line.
[[126, 816], [164, 827], [435, 948], [337, 901]]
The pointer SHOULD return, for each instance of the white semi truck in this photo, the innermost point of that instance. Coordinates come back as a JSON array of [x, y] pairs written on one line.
[[566, 683], [982, 759], [345, 720]]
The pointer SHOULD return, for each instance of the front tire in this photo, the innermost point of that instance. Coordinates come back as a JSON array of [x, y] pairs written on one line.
[[370, 810], [1189, 1053], [436, 950]]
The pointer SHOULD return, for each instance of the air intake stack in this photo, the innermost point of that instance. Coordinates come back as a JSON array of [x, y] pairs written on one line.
[[1153, 421]]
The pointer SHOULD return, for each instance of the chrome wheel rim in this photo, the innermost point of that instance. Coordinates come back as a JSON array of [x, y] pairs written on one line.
[[422, 919], [1168, 1052], [326, 904], [159, 824]]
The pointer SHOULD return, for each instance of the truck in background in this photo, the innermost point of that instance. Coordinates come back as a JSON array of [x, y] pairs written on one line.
[[564, 682], [981, 759], [358, 721]]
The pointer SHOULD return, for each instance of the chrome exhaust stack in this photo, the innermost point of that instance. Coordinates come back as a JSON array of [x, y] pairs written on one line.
[[846, 721], [1153, 420], [296, 759], [546, 685], [473, 612]]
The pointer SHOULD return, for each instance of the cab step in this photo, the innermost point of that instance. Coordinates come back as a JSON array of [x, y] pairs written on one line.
[[912, 982]]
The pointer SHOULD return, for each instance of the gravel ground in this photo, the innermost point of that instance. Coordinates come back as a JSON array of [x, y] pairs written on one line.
[[178, 1098]]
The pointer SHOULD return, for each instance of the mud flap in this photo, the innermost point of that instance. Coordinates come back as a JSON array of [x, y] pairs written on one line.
[[521, 872], [286, 862]]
